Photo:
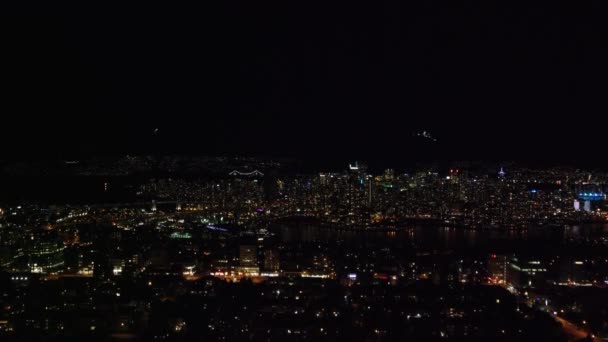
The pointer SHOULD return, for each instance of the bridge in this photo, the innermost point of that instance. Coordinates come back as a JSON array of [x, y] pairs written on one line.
[[254, 173]]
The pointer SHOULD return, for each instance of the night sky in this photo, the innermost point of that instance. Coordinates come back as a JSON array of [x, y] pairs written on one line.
[[492, 80]]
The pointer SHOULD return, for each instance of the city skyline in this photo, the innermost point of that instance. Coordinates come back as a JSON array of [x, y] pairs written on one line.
[[298, 171], [189, 248]]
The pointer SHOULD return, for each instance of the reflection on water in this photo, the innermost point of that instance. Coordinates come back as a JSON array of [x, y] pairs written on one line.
[[437, 237], [586, 231]]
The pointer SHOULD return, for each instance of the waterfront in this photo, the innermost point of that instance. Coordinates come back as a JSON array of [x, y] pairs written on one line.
[[430, 237]]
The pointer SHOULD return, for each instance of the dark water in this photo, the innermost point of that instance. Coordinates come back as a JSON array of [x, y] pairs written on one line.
[[67, 190], [449, 238]]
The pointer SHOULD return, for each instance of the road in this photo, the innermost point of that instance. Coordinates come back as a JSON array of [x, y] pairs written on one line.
[[573, 331]]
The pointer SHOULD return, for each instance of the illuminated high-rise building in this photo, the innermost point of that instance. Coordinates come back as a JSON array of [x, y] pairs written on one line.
[[248, 260], [497, 265], [526, 272], [271, 261], [248, 256], [501, 173], [45, 254], [573, 271], [358, 195], [389, 175]]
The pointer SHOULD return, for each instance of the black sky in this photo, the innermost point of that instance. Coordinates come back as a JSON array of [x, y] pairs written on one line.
[[522, 80]]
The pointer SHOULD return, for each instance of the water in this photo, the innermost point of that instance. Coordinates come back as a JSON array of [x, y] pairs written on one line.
[[436, 238], [67, 190]]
